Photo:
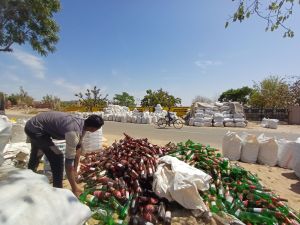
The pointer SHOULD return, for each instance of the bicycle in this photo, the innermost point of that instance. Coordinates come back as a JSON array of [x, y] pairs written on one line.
[[163, 122]]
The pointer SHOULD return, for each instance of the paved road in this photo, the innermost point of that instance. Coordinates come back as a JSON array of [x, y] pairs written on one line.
[[205, 135]]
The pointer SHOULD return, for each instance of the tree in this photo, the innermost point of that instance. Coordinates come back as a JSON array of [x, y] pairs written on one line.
[[53, 102], [29, 21], [276, 13], [92, 98], [22, 98], [236, 95], [152, 98], [200, 98], [295, 91], [272, 92], [124, 99]]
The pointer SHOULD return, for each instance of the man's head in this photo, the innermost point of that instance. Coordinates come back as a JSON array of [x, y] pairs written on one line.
[[93, 123]]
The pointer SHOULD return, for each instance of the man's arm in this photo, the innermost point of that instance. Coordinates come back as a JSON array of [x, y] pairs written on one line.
[[72, 159], [71, 175]]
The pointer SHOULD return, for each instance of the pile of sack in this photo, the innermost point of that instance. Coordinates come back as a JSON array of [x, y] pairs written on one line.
[[228, 114], [123, 114], [269, 123], [263, 150]]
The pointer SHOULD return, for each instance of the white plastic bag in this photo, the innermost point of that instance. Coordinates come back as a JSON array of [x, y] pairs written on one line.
[[231, 146], [250, 148], [176, 180], [28, 199], [286, 153], [5, 133], [268, 150]]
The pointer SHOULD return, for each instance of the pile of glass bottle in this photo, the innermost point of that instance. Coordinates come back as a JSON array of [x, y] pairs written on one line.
[[234, 190], [119, 183]]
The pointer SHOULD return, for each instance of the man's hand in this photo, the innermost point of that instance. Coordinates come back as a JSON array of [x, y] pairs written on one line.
[[77, 191]]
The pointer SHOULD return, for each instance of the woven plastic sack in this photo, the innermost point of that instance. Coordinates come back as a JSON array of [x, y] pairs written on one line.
[[268, 150], [250, 148], [231, 146]]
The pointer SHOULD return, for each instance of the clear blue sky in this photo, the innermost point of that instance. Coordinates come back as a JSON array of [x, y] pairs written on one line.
[[134, 45]]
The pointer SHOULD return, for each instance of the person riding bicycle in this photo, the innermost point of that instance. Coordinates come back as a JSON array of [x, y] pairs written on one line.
[[169, 117]]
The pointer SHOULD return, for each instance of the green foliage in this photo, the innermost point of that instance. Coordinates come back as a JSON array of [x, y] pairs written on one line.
[[13, 98], [236, 95], [92, 98], [275, 13], [29, 21], [272, 92], [295, 90], [53, 102], [21, 99], [124, 99], [152, 98]]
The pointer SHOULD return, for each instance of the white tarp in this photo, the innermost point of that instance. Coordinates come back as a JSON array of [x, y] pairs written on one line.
[[231, 146], [178, 181], [28, 199], [250, 148], [268, 150]]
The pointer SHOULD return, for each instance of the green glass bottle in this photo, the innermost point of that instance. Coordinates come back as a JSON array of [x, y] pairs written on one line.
[[213, 206], [114, 203], [255, 218], [213, 189], [124, 211]]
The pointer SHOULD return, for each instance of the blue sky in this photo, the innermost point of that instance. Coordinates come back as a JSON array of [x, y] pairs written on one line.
[[134, 45]]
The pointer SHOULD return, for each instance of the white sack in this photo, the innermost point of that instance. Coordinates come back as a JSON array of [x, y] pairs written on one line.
[[250, 148], [28, 199], [198, 124], [229, 124], [268, 150], [238, 115], [228, 119], [154, 119], [296, 167], [176, 180], [269, 123], [5, 133], [139, 120], [199, 115], [92, 141], [236, 120], [207, 124], [286, 153], [218, 124], [191, 121], [240, 124], [232, 146]]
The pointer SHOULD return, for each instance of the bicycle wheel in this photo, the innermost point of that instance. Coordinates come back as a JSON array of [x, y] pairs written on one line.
[[178, 124], [162, 123]]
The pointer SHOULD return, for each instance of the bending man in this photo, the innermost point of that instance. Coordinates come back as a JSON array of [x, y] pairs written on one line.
[[44, 127]]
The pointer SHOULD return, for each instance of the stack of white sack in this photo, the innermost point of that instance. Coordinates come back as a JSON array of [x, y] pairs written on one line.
[[229, 114], [263, 150]]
